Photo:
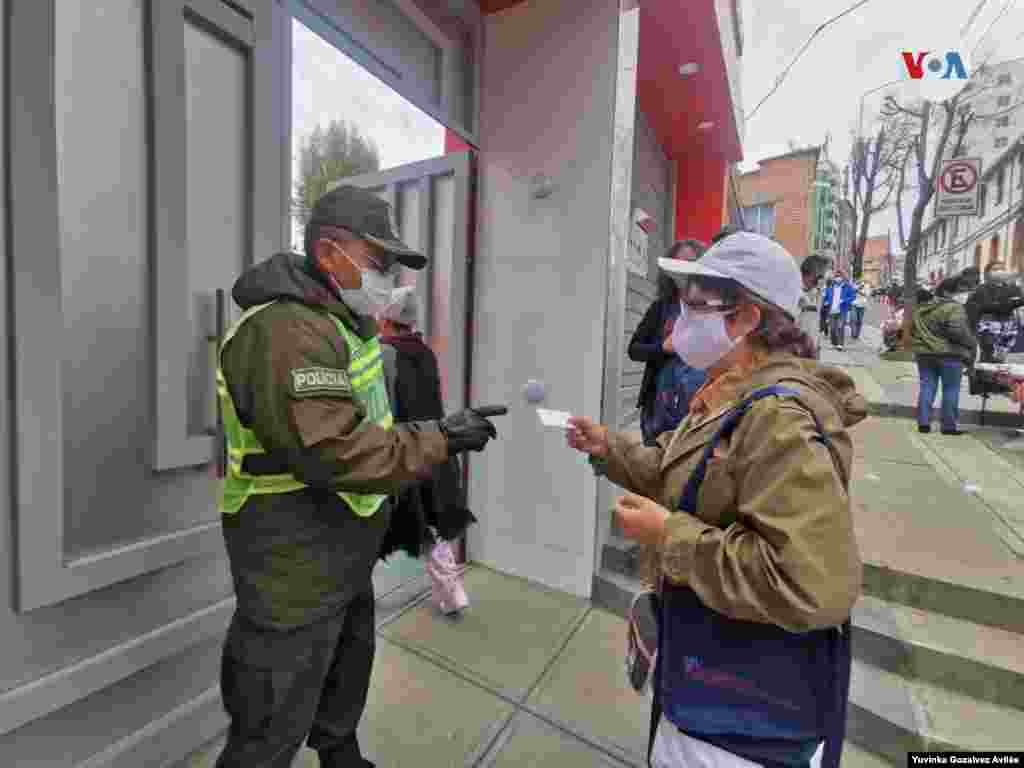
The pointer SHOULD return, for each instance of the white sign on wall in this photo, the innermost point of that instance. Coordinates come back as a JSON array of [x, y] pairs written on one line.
[[956, 193], [636, 252]]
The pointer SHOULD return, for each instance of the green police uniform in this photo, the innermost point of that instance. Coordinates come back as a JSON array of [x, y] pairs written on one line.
[[312, 456]]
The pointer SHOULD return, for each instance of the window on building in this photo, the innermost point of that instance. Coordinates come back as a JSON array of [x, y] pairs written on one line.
[[1004, 79], [1001, 142], [760, 219], [1004, 101], [982, 200], [1020, 171], [956, 228], [977, 256], [1000, 185], [1003, 122], [942, 232]]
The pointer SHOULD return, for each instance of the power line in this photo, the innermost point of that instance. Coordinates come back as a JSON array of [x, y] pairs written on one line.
[[779, 80], [972, 18], [1006, 7]]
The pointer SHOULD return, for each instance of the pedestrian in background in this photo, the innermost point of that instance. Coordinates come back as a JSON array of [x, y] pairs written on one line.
[[859, 306], [838, 298], [746, 511], [668, 382], [943, 343], [811, 270], [429, 515]]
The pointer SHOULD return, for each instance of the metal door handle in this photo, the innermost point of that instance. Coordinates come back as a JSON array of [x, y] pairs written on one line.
[[220, 442]]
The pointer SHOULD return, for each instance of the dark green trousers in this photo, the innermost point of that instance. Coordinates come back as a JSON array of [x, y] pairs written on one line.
[[280, 686]]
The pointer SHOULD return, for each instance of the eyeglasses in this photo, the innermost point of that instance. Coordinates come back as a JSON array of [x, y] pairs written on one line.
[[706, 307], [379, 261]]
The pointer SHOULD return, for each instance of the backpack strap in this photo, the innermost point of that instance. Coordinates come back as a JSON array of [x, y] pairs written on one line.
[[688, 501]]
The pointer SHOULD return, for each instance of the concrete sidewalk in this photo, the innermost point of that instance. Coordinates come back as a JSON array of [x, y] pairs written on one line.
[[891, 386], [526, 677]]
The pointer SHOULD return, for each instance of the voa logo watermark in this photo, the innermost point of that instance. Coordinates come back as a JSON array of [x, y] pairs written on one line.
[[935, 74]]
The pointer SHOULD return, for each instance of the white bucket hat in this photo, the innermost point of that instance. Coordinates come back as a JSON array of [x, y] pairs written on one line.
[[758, 263]]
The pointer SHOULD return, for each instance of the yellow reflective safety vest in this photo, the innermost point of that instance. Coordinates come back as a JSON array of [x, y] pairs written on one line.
[[366, 373]]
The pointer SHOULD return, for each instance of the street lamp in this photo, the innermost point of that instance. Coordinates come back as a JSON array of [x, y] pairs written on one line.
[[860, 117]]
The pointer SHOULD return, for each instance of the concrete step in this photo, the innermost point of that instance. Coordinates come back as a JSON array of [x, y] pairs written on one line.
[[614, 591], [621, 556], [1003, 609], [890, 715], [983, 662]]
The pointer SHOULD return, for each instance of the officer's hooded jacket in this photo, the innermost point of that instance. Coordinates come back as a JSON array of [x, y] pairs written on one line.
[[297, 557]]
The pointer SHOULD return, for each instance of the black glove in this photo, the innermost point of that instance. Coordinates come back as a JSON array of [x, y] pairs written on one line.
[[469, 430]]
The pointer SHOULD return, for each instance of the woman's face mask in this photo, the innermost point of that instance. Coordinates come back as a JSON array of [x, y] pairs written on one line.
[[700, 338]]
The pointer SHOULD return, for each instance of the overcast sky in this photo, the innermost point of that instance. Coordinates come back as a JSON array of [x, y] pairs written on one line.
[[820, 96], [861, 51]]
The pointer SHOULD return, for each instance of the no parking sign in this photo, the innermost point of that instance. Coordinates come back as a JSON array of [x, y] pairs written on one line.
[[956, 192]]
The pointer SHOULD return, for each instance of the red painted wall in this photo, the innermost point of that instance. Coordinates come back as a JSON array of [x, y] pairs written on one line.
[[700, 196], [454, 143]]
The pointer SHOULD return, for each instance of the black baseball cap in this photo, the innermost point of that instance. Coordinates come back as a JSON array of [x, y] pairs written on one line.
[[364, 214]]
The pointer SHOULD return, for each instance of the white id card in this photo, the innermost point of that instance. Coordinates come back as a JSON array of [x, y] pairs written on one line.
[[556, 419]]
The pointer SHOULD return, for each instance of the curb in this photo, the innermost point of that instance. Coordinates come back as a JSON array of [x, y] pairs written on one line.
[[973, 417]]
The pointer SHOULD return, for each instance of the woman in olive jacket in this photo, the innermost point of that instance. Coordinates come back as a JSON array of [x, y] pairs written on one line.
[[771, 538]]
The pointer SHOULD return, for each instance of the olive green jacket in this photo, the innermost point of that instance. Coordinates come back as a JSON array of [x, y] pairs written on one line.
[[773, 539], [940, 329], [296, 557]]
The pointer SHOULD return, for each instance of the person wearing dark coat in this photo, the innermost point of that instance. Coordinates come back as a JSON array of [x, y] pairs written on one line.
[[429, 515], [650, 345]]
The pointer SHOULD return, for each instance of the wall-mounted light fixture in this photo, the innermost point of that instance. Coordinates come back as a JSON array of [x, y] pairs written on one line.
[[690, 68], [541, 186], [707, 125]]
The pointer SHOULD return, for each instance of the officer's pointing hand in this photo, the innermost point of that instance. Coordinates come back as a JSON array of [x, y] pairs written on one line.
[[469, 430]]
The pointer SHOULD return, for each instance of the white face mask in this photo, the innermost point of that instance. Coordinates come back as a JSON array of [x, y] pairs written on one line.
[[375, 290], [701, 340]]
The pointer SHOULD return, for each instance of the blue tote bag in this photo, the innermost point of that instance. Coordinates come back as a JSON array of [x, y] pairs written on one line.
[[754, 689]]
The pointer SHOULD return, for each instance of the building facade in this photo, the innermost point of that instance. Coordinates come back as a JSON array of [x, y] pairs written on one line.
[[877, 265], [777, 200], [169, 123], [825, 214], [996, 137]]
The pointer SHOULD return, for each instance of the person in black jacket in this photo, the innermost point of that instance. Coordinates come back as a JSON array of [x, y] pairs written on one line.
[[430, 515], [651, 342]]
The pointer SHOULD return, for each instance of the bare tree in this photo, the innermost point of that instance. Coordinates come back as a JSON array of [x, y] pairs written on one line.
[[935, 131], [871, 177]]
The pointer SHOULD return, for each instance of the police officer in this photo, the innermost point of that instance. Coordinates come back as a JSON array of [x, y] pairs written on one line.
[[312, 456]]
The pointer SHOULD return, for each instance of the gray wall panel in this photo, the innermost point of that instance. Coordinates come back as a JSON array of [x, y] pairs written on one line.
[[106, 655], [96, 724], [429, 65], [536, 501], [217, 196]]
